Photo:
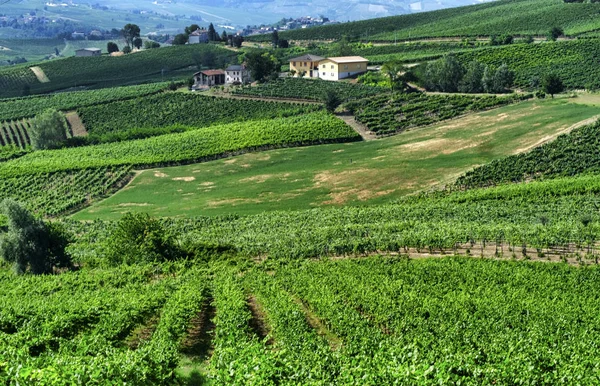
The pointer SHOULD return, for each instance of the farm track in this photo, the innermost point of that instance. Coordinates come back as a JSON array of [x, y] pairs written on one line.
[[265, 99], [498, 252], [361, 129]]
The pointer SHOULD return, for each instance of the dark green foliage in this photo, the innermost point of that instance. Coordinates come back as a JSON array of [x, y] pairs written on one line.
[[332, 101], [30, 244], [137, 43], [48, 130], [444, 74], [472, 81], [112, 47], [126, 50], [569, 155], [139, 238], [552, 84], [263, 66], [555, 33], [180, 39], [130, 32]]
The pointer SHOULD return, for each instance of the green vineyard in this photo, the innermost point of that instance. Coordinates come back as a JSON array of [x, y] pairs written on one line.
[[28, 107], [51, 194], [387, 114], [140, 117], [310, 89], [15, 134]]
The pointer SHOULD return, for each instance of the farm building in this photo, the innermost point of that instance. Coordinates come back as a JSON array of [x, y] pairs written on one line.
[[208, 78], [308, 65], [237, 74], [198, 36], [342, 67], [88, 52]]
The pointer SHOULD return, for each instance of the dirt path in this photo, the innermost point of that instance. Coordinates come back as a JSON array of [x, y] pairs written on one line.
[[264, 99], [76, 125], [361, 129], [39, 74], [552, 137]]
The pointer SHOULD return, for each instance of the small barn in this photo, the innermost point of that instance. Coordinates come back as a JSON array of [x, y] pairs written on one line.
[[208, 78], [88, 52]]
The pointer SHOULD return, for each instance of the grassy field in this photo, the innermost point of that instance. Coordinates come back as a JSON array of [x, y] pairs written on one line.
[[346, 174], [31, 49]]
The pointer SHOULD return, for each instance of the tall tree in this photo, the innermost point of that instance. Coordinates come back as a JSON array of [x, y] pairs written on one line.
[[444, 74], [275, 39], [137, 43], [262, 66], [212, 34], [48, 130], [552, 84], [129, 33], [503, 79], [397, 73], [191, 28], [472, 81], [224, 36]]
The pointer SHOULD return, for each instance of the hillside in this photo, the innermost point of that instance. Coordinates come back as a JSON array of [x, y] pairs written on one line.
[[106, 71], [519, 17]]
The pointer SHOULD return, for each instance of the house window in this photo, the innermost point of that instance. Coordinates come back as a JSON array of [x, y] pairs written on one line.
[[294, 64], [305, 64], [324, 66], [332, 74], [332, 66], [324, 74]]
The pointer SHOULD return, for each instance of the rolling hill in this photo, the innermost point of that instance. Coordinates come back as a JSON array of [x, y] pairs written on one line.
[[518, 17]]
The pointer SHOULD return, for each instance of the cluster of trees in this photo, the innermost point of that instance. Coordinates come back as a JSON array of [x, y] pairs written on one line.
[[449, 75], [183, 38], [277, 42], [48, 130], [263, 66]]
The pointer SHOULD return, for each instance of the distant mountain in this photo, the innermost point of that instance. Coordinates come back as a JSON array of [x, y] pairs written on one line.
[[335, 9]]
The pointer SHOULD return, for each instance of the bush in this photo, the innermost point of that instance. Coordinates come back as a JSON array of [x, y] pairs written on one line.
[[48, 130], [139, 238]]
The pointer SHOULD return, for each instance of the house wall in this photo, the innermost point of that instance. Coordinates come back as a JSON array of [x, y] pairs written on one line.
[[193, 39], [87, 53], [307, 67], [329, 70], [237, 76]]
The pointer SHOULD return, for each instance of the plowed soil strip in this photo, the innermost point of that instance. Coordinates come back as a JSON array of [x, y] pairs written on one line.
[[198, 340], [259, 323]]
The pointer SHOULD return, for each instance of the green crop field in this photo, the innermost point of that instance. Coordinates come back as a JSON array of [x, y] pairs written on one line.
[[107, 71], [151, 115], [334, 175], [32, 50], [520, 17]]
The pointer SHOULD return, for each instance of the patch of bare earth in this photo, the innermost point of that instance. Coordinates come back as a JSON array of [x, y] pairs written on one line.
[[197, 342], [39, 74], [258, 322], [564, 130], [185, 179], [76, 124], [159, 174], [342, 186], [232, 202]]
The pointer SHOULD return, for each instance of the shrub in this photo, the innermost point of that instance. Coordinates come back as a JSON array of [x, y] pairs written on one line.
[[48, 130]]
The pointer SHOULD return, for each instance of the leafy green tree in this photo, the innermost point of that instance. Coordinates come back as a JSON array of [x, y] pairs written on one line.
[[398, 74], [504, 79], [342, 48], [137, 43], [139, 238], [148, 45], [332, 101], [555, 33], [262, 66], [488, 79], [444, 74], [224, 36], [112, 47], [191, 28], [180, 39], [275, 39], [552, 84], [129, 33], [126, 50], [30, 244], [48, 130], [472, 82]]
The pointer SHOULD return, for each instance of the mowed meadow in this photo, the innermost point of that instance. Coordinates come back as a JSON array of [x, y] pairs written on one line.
[[361, 173]]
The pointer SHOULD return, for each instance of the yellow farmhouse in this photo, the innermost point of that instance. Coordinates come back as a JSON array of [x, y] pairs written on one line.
[[306, 66], [342, 67]]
